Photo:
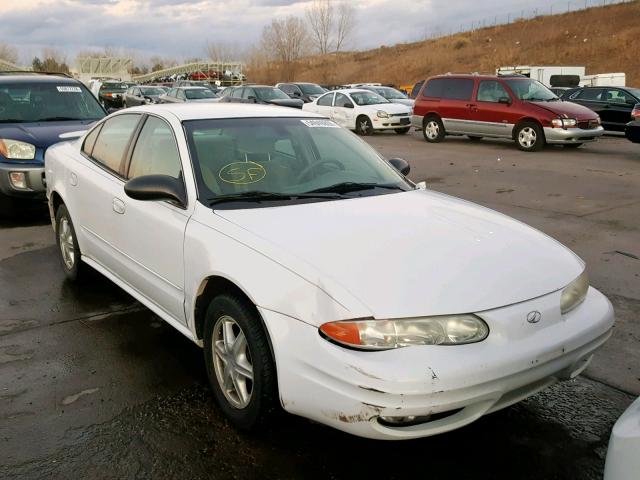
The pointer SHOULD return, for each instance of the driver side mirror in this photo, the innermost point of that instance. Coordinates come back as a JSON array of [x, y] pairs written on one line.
[[401, 165], [505, 100], [156, 187]]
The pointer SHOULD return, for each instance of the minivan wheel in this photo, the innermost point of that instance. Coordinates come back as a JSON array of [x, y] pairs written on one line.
[[433, 130], [239, 364], [529, 137], [68, 245], [364, 126]]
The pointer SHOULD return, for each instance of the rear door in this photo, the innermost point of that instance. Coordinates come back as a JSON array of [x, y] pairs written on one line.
[[491, 118], [456, 105], [617, 111], [343, 111], [324, 105]]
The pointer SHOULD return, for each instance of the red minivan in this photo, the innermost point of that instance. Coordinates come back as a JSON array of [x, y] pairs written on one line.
[[514, 107]]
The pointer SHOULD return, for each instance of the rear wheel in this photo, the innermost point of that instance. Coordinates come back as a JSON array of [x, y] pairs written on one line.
[[402, 131], [68, 245], [529, 137], [433, 130], [364, 126], [239, 364]]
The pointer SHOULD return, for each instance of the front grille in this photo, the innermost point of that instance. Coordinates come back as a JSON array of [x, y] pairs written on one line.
[[399, 114], [588, 124]]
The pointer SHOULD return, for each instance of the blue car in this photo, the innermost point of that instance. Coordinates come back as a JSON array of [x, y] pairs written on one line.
[[36, 111]]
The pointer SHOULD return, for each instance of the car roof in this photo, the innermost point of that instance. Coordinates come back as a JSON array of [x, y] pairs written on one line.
[[201, 111], [191, 87], [350, 90], [35, 78]]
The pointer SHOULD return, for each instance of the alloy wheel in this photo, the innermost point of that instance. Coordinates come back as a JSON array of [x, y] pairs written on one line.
[[232, 362], [432, 129], [364, 126], [67, 248], [527, 137]]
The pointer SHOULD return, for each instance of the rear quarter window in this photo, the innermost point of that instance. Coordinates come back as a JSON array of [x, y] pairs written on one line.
[[433, 88]]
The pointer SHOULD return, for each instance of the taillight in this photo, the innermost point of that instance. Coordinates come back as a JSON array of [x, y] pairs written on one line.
[[635, 113]]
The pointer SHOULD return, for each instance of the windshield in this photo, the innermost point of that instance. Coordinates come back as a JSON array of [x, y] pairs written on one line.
[[368, 98], [311, 89], [283, 156], [36, 102], [391, 93], [271, 94], [531, 90], [114, 87], [151, 91], [198, 93]]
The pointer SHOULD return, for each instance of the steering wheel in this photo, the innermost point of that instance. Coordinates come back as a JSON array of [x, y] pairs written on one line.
[[302, 176]]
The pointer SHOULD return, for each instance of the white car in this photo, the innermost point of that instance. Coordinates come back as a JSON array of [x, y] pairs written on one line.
[[315, 275], [362, 110], [623, 461]]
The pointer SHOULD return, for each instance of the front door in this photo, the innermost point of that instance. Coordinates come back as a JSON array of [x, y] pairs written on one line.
[[493, 113]]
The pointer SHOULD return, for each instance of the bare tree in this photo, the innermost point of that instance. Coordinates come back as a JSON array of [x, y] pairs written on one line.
[[286, 41], [8, 53], [320, 18], [345, 24], [223, 52]]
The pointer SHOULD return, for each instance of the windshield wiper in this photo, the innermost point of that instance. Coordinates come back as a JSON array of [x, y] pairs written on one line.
[[258, 196], [346, 187], [57, 119]]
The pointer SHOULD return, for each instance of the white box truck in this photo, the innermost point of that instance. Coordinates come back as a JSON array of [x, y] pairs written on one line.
[[551, 76], [604, 80]]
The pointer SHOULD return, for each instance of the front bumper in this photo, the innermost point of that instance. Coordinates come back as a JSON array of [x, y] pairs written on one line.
[[391, 123], [571, 135], [455, 385], [34, 174]]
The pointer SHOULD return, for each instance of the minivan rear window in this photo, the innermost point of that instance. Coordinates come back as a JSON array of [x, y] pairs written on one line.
[[449, 88]]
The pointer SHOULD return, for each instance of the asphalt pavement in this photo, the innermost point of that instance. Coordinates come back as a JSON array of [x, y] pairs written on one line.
[[93, 385]]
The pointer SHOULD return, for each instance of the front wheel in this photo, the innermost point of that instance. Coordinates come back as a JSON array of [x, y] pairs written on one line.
[[68, 245], [239, 364], [402, 131], [364, 126], [529, 137]]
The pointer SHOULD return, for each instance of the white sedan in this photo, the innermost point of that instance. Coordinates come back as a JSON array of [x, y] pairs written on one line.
[[315, 275], [362, 110]]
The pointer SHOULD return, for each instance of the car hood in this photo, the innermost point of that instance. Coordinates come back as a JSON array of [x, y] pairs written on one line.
[[387, 107], [287, 102], [566, 109], [44, 134], [403, 101], [411, 254]]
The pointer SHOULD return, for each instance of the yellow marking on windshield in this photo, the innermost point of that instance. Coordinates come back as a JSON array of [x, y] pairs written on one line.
[[242, 173]]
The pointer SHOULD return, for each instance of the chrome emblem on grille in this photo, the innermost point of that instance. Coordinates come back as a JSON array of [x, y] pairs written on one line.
[[534, 317]]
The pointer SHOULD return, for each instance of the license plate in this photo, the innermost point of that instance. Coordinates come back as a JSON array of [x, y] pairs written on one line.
[[405, 121]]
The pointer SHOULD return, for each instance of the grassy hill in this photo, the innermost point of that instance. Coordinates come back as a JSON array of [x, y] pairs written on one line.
[[604, 39]]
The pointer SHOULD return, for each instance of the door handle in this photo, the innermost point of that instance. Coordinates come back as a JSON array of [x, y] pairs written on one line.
[[118, 206], [473, 107], [73, 179]]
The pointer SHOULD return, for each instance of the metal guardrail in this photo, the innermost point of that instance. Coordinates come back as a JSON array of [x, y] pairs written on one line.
[[195, 67]]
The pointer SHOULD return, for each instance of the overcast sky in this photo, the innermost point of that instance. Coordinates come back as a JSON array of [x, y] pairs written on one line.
[[181, 28]]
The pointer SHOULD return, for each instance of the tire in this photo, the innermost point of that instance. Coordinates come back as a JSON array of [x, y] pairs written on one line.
[[364, 126], [529, 137], [572, 145], [402, 131], [433, 129], [251, 404], [68, 249], [474, 138]]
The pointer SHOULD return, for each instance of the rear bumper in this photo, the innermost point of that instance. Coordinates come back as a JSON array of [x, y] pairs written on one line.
[[416, 121], [571, 135], [35, 180], [448, 387]]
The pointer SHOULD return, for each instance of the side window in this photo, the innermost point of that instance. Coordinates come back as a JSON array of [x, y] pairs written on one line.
[[90, 140], [237, 93], [113, 140], [181, 94], [433, 88], [457, 88], [286, 88], [248, 92], [172, 92], [491, 91], [155, 152], [326, 100], [616, 96], [589, 94], [342, 100]]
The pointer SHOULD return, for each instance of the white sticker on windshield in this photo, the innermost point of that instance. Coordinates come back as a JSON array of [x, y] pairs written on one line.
[[69, 89], [320, 124]]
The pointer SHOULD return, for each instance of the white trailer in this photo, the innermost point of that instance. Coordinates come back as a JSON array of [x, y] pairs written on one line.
[[543, 73], [604, 80]]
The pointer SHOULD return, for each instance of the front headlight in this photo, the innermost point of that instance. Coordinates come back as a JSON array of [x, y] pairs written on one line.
[[388, 334], [564, 122], [17, 150], [382, 114], [574, 293]]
